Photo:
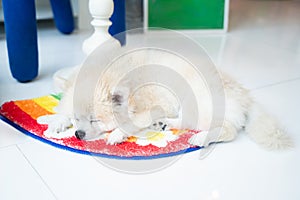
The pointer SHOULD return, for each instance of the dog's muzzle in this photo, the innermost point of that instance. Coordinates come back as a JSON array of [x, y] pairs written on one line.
[[80, 134]]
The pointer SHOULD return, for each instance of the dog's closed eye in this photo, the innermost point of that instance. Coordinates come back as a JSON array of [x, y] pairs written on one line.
[[94, 121]]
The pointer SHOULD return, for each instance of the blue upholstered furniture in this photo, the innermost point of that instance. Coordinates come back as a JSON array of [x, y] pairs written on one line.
[[21, 32], [118, 19]]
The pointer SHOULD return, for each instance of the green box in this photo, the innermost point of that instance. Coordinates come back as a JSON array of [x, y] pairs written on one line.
[[187, 14]]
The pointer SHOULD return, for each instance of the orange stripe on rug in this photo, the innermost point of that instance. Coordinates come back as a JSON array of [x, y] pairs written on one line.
[[47, 102], [32, 109]]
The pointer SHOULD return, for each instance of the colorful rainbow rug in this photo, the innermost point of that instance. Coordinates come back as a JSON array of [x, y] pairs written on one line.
[[23, 114]]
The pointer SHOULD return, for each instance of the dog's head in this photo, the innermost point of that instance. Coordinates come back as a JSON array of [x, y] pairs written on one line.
[[107, 111]]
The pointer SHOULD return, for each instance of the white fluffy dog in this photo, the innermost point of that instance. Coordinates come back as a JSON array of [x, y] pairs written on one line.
[[125, 110]]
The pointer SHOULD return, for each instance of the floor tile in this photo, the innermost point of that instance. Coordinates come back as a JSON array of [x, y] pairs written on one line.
[[282, 100], [10, 136], [263, 44], [18, 180], [256, 64], [213, 45], [69, 175], [240, 164]]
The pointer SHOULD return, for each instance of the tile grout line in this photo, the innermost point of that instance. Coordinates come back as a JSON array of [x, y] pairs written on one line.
[[266, 43], [274, 84], [12, 145], [7, 146], [45, 183]]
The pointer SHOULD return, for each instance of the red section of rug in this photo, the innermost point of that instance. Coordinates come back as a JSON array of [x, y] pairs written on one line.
[[12, 112], [15, 114]]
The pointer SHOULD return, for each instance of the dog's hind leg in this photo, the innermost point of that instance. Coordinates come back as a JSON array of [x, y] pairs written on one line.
[[225, 133]]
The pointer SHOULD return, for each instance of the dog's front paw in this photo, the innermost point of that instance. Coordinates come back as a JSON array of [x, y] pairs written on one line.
[[116, 137], [199, 139], [159, 125], [56, 123]]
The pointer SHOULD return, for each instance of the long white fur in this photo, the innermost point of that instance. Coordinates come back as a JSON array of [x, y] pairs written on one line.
[[241, 111]]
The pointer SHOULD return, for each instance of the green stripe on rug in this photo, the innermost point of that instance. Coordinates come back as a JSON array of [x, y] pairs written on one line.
[[57, 96]]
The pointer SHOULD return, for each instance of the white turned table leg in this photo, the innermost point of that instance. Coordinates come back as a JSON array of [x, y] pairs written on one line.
[[101, 11]]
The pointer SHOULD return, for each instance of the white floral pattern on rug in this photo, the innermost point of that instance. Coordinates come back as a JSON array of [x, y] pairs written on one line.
[[159, 139]]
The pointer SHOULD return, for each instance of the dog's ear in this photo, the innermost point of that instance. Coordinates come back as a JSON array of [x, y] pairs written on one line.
[[119, 96]]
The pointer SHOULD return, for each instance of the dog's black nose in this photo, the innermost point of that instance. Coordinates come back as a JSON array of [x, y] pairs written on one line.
[[80, 134]]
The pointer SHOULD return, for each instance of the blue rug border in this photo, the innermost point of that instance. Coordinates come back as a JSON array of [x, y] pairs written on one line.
[[28, 133]]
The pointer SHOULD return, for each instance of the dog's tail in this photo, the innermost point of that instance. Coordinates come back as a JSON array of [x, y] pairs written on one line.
[[265, 130]]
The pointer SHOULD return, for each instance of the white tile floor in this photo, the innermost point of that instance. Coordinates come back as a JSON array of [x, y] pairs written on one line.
[[262, 50]]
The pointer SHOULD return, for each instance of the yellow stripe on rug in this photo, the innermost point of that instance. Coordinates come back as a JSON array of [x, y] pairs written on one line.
[[47, 102]]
